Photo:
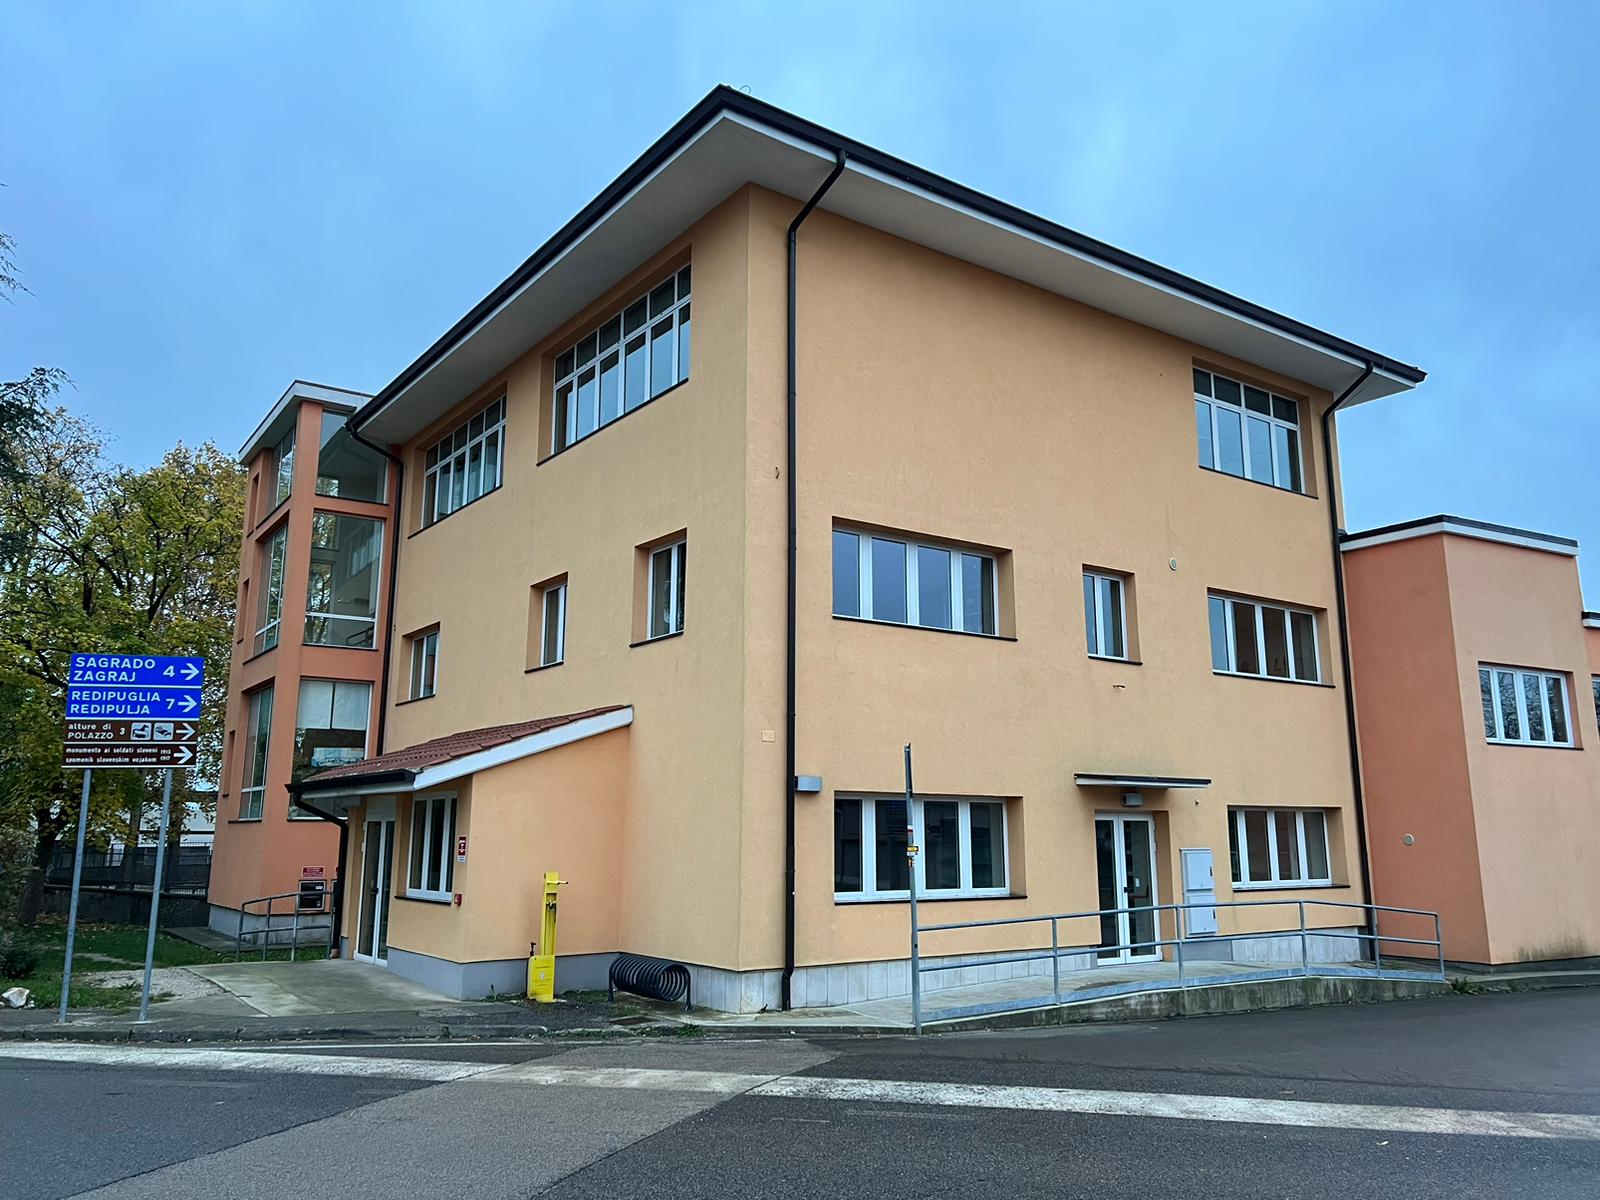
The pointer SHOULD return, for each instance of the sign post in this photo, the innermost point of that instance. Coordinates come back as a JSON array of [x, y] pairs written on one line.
[[129, 710]]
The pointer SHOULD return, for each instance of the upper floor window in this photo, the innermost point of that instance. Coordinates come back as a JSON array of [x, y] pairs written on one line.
[[345, 467], [257, 743], [283, 468], [269, 615], [1105, 618], [1525, 707], [633, 356], [1269, 640], [342, 590], [1248, 432], [330, 727], [553, 633], [1596, 682], [910, 583], [1278, 846], [666, 590], [465, 465], [424, 664]]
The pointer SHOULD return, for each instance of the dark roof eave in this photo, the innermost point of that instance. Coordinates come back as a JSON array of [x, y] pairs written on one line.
[[723, 98], [318, 785], [1447, 520]]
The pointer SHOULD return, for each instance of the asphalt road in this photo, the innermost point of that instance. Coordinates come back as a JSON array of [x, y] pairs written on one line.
[[1466, 1096]]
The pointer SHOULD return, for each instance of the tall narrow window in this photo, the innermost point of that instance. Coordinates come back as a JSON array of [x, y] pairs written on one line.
[[345, 467], [342, 588], [1268, 640], [1246, 431], [283, 468], [1526, 707], [269, 616], [910, 583], [633, 356], [666, 590], [424, 664], [465, 465], [431, 875], [553, 639], [1104, 618], [257, 743]]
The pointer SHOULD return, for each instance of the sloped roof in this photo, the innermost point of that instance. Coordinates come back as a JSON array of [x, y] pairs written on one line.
[[403, 767]]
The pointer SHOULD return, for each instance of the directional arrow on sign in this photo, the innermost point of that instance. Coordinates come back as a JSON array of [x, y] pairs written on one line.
[[182, 756], [190, 671], [188, 704]]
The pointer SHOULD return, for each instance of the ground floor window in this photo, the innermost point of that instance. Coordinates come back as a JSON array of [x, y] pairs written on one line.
[[963, 850], [433, 836], [1278, 846]]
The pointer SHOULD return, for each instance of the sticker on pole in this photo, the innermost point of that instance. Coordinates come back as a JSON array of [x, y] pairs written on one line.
[[132, 710]]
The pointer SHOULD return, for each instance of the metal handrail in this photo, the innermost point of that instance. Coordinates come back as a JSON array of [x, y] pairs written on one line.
[[1302, 931], [264, 932]]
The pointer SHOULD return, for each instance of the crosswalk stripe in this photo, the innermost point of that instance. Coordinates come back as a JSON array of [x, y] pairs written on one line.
[[1098, 1102]]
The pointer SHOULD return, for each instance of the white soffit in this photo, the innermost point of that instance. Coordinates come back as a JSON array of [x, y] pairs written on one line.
[[735, 149], [1503, 534]]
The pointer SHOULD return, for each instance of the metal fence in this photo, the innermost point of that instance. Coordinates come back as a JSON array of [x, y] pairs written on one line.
[[188, 868], [1193, 956], [301, 913]]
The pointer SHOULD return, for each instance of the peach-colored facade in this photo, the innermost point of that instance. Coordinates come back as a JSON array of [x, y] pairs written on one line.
[[263, 855], [978, 406], [1498, 836]]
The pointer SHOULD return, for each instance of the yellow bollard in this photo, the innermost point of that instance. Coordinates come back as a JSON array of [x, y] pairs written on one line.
[[542, 967]]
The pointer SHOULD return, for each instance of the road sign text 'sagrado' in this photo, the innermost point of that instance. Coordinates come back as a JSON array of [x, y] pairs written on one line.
[[132, 710]]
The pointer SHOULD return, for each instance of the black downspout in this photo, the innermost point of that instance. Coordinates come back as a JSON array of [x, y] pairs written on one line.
[[383, 678], [1344, 654], [336, 912], [790, 671]]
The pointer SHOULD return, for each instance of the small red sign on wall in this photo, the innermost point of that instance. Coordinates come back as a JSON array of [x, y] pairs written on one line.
[[461, 848], [312, 872]]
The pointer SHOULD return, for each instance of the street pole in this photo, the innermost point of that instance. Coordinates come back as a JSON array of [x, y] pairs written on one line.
[[72, 909], [911, 884], [155, 894]]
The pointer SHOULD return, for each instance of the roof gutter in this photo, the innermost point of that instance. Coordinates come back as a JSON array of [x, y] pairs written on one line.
[[786, 987], [1342, 607]]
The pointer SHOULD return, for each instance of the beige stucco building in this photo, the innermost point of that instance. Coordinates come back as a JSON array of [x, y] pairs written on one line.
[[1478, 689], [688, 548]]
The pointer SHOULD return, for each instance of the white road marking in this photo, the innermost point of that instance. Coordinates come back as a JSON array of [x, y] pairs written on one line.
[[1168, 1105], [246, 1060]]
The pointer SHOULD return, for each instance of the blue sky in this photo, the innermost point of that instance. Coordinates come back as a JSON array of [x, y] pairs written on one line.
[[213, 199]]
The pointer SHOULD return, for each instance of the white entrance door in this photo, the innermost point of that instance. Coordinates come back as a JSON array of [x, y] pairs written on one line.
[[1125, 856], [377, 856]]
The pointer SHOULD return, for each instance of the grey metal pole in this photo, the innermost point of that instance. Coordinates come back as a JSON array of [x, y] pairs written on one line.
[[72, 909], [1305, 954], [911, 884], [155, 894]]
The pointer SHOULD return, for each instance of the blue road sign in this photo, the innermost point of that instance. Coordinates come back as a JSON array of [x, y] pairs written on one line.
[[132, 686]]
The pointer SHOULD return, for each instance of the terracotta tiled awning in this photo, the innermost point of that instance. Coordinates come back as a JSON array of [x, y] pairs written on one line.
[[401, 767]]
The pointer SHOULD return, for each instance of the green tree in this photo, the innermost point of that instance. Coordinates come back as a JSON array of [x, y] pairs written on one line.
[[114, 560]]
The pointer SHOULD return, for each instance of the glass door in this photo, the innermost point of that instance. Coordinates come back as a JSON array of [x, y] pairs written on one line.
[[1125, 854], [372, 929]]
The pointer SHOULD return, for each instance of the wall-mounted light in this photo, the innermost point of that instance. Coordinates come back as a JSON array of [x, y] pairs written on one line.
[[1132, 799], [808, 785]]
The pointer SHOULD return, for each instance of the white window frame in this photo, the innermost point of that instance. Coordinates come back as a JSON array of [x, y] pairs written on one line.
[[372, 556], [1244, 883], [270, 631], [677, 566], [1488, 676], [1280, 471], [252, 795], [865, 538], [1228, 601], [585, 355], [420, 644], [283, 481], [445, 854], [448, 457], [1094, 615], [555, 593], [869, 850]]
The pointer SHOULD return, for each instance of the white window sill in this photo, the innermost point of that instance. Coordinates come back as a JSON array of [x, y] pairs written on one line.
[[1293, 886], [1271, 678], [993, 637], [1533, 745], [904, 897], [1121, 658], [430, 897]]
